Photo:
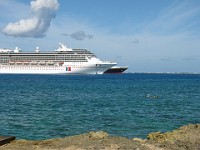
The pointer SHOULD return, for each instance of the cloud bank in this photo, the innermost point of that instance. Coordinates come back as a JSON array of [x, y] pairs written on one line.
[[43, 11], [79, 35]]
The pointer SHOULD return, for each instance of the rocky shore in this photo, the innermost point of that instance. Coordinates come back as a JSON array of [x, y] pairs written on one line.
[[184, 138]]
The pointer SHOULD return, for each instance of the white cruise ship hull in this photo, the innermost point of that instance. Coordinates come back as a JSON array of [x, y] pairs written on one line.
[[65, 69]]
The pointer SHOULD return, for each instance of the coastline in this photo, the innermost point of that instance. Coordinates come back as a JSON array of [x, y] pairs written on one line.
[[173, 73], [185, 137]]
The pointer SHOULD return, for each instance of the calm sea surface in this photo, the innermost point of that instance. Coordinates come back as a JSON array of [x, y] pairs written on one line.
[[131, 105]]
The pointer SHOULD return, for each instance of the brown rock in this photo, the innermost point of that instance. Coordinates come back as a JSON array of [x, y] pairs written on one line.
[[98, 135], [114, 146], [160, 137], [139, 140], [184, 138]]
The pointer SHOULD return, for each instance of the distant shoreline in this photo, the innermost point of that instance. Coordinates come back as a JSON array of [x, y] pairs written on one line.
[[186, 73]]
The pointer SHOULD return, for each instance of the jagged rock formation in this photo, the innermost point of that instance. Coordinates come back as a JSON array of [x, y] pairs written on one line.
[[184, 138]]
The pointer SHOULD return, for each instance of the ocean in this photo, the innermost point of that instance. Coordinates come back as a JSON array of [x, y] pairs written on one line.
[[36, 107]]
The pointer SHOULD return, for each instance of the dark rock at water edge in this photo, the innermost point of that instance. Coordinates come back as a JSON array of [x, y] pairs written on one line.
[[6, 139]]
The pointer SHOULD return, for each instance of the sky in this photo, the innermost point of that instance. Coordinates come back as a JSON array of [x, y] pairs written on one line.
[[145, 35]]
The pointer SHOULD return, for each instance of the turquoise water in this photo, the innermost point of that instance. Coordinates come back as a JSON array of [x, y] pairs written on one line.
[[130, 105]]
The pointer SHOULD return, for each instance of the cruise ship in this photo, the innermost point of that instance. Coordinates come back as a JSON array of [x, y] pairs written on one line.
[[62, 61]]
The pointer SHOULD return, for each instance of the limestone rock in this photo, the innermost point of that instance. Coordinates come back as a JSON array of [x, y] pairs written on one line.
[[184, 138], [139, 140], [160, 137], [98, 135]]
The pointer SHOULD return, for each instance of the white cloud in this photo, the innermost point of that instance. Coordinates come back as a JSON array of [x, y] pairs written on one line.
[[43, 12], [79, 35]]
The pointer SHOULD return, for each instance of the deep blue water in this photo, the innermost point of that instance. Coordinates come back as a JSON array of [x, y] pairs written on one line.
[[130, 105]]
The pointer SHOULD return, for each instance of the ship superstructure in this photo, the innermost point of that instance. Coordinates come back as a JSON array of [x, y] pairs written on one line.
[[63, 61]]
